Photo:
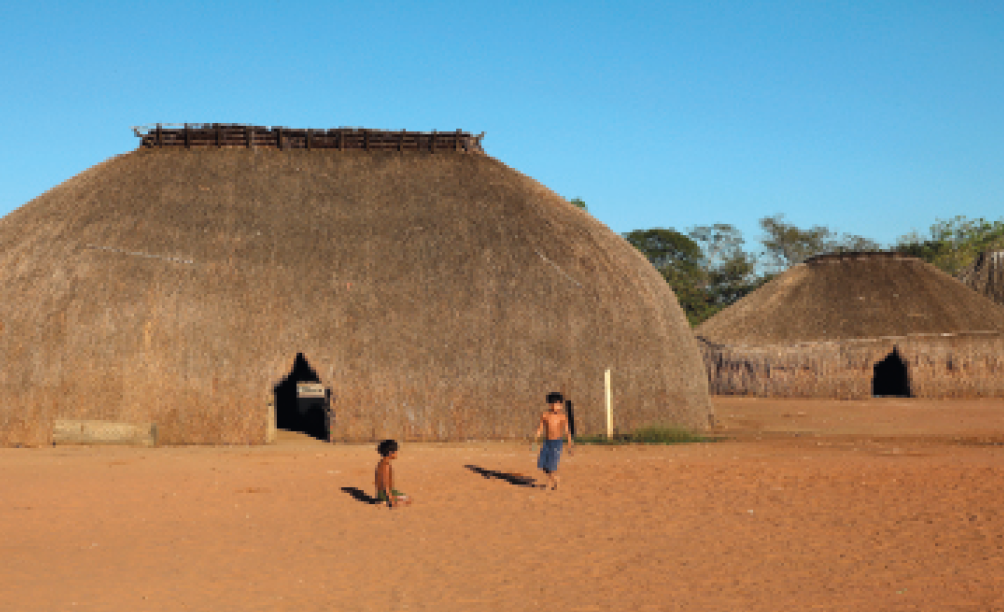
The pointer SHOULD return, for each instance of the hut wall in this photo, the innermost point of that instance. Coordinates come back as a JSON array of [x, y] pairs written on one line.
[[957, 366]]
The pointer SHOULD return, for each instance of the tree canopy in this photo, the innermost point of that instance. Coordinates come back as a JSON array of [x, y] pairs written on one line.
[[953, 244], [788, 245], [707, 269]]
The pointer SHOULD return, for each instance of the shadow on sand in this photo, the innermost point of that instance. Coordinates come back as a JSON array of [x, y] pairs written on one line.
[[519, 480], [360, 495]]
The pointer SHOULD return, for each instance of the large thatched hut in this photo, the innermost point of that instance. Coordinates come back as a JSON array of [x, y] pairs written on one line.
[[986, 275], [434, 292], [855, 325]]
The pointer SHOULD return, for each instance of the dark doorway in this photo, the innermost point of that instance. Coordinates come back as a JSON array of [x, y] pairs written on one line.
[[296, 410], [891, 378]]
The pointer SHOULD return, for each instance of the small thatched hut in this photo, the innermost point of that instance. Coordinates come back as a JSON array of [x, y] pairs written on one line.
[[986, 275], [437, 293], [855, 325]]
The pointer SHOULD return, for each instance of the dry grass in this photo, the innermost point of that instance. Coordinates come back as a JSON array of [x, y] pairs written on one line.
[[654, 434], [439, 296], [853, 297], [819, 329], [949, 367]]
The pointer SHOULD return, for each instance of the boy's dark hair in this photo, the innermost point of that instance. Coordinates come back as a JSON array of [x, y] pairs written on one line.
[[387, 447], [554, 398]]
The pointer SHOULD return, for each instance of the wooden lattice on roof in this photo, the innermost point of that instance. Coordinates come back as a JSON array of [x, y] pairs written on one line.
[[843, 256], [249, 136]]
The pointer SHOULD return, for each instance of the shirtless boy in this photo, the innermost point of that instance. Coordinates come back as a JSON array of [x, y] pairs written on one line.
[[385, 490], [553, 424]]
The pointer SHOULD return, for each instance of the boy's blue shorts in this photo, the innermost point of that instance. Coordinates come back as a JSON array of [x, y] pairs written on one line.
[[550, 453]]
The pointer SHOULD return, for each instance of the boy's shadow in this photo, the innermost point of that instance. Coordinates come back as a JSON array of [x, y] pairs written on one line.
[[518, 480], [360, 495]]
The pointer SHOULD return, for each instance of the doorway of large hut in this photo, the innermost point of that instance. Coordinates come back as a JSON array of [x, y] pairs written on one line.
[[302, 402], [890, 377]]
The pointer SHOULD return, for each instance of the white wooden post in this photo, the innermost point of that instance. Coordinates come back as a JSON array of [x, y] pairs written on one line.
[[270, 427], [610, 404]]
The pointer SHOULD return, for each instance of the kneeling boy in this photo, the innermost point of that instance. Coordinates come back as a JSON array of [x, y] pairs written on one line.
[[385, 490]]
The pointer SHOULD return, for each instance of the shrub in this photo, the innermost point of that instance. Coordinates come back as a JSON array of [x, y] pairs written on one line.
[[647, 435]]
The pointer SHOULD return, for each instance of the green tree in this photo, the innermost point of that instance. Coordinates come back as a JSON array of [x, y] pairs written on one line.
[[679, 259], [708, 269], [788, 244], [578, 202], [666, 247], [953, 244], [730, 270]]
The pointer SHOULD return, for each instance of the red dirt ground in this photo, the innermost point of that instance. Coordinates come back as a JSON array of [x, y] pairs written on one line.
[[809, 505]]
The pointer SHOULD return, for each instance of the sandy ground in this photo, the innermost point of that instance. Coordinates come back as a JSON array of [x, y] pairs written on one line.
[[876, 505]]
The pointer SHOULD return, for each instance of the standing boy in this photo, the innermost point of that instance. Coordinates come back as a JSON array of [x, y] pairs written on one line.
[[553, 424], [385, 490]]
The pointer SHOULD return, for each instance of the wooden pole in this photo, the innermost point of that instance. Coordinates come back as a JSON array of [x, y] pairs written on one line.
[[270, 429], [610, 404]]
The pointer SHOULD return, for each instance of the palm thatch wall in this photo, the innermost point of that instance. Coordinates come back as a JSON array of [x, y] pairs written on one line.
[[986, 275], [439, 296], [821, 328], [937, 366]]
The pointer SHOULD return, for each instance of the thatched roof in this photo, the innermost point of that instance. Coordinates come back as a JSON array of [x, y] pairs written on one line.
[[854, 296], [986, 275], [438, 295]]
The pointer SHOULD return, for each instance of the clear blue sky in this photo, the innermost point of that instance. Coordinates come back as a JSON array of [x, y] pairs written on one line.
[[871, 117]]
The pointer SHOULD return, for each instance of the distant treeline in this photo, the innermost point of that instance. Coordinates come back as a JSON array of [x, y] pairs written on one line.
[[709, 267]]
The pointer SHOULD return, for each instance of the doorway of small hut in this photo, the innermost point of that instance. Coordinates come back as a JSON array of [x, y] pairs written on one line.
[[890, 377], [301, 402]]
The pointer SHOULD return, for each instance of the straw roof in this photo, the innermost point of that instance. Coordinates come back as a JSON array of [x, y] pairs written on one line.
[[854, 325], [440, 296], [986, 275], [854, 296]]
